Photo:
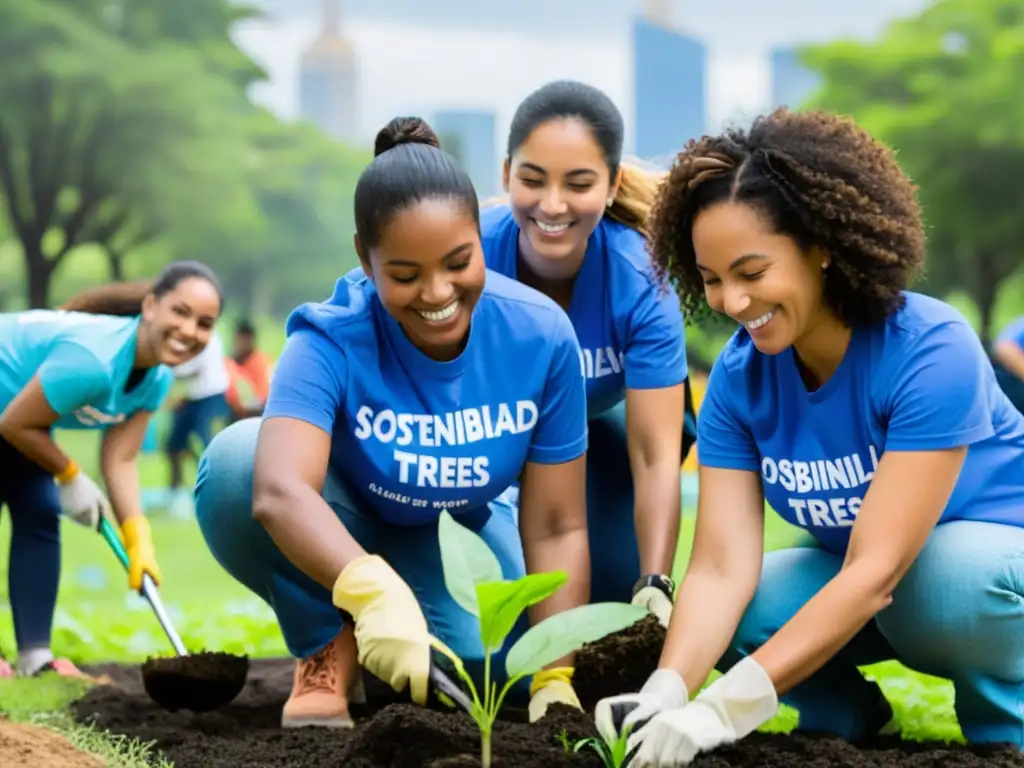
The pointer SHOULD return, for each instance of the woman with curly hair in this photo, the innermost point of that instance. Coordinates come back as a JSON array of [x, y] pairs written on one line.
[[860, 411]]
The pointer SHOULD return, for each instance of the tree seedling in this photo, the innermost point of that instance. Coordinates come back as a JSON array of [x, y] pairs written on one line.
[[473, 577], [612, 754]]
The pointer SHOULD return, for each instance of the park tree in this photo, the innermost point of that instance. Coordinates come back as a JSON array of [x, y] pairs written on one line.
[[117, 129], [940, 88]]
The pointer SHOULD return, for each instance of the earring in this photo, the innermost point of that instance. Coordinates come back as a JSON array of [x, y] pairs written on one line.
[[609, 203]]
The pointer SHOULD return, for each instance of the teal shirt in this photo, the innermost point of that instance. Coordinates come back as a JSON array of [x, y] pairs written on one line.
[[83, 362]]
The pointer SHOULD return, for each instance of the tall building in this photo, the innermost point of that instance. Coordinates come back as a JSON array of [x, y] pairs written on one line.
[[792, 82], [328, 79], [669, 85], [469, 135]]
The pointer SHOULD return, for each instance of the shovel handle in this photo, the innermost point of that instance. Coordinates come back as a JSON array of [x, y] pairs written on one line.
[[148, 590]]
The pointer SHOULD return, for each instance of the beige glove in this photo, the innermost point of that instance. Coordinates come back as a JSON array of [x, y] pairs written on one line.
[[732, 707], [80, 498], [551, 686], [391, 632]]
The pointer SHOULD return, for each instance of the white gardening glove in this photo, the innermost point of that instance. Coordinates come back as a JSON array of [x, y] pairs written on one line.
[[654, 592], [664, 690], [730, 708], [81, 499]]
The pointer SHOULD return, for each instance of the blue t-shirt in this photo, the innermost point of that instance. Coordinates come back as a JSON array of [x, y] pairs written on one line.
[[919, 381], [83, 362], [629, 324], [1013, 332], [413, 435]]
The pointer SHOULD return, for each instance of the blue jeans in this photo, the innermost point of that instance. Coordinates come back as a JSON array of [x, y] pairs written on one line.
[[615, 559], [304, 609], [33, 576], [958, 613], [196, 417]]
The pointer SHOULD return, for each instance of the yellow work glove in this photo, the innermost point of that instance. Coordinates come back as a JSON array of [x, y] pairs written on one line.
[[391, 632], [551, 686], [138, 543]]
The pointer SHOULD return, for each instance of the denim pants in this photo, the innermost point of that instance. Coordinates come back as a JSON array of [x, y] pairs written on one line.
[[614, 556], [304, 609], [30, 495], [958, 614]]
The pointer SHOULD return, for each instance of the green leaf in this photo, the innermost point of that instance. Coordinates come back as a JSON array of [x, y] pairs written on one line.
[[502, 602], [466, 560], [566, 632]]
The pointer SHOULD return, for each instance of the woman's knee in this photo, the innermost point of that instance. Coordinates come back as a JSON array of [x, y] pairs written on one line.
[[789, 578], [960, 606]]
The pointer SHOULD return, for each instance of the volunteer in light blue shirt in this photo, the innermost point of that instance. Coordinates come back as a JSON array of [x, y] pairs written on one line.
[[424, 383], [99, 363], [1008, 361], [865, 413], [573, 228]]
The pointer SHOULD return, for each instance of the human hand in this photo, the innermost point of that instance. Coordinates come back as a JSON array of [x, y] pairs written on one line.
[[81, 499], [138, 544], [551, 686], [732, 707], [664, 690], [654, 592], [391, 632]]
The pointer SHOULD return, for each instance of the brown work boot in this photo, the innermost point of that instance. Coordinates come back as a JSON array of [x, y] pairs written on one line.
[[323, 686]]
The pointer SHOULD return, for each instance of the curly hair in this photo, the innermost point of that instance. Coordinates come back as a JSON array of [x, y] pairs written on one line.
[[820, 179]]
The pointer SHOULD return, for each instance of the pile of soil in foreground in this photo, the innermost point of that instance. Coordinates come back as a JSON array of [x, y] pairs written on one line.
[[30, 746], [390, 734], [619, 663]]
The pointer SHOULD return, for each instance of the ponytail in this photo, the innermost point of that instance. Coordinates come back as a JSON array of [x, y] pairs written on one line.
[[638, 188], [122, 299]]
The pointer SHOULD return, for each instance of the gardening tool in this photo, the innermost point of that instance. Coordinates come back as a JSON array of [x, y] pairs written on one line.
[[199, 682], [444, 685]]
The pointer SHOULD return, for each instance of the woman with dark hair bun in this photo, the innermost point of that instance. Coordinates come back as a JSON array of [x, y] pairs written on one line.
[[861, 411], [425, 383], [101, 361]]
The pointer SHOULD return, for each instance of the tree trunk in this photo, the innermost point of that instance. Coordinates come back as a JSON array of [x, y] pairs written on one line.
[[115, 264], [985, 293], [39, 271]]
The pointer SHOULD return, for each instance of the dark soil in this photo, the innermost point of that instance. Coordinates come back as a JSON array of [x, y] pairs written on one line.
[[619, 663], [392, 734], [200, 681]]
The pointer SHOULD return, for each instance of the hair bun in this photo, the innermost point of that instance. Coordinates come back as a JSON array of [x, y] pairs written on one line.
[[404, 130]]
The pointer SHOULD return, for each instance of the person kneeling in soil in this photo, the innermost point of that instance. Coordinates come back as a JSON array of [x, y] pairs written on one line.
[[862, 412], [100, 362], [424, 383], [574, 228]]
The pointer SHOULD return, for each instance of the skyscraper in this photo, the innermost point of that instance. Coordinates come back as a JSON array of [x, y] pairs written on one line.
[[328, 79], [669, 85], [792, 82], [468, 134]]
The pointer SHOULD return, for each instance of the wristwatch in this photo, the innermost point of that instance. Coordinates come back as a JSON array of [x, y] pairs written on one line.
[[659, 580]]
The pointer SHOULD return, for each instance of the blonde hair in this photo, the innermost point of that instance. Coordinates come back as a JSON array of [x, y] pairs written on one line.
[[634, 199]]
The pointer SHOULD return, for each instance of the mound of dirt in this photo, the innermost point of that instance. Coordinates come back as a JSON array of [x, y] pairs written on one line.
[[30, 746]]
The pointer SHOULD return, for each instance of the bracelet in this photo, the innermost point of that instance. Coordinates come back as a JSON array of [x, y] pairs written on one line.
[[68, 473]]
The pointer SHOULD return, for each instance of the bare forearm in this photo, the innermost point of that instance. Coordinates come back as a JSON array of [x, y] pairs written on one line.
[[566, 551], [819, 630], [123, 489], [1012, 358], [37, 445], [708, 609], [307, 531], [657, 509]]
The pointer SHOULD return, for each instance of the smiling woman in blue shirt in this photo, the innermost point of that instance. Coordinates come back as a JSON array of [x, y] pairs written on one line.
[[574, 227], [863, 412], [425, 382], [100, 363]]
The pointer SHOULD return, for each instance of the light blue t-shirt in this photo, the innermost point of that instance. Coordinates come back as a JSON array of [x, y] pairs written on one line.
[[1013, 332], [83, 362], [919, 381], [629, 324], [413, 435]]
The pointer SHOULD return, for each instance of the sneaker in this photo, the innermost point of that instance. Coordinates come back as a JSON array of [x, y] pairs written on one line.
[[323, 685]]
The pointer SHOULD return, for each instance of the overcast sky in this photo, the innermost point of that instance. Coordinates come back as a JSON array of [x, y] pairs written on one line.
[[416, 56]]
